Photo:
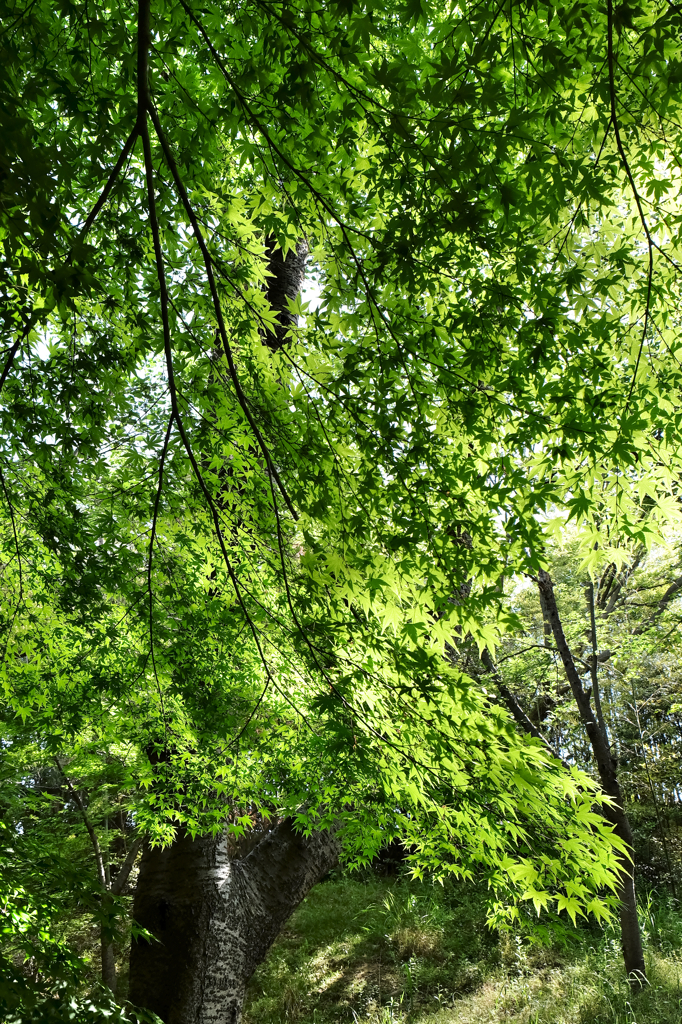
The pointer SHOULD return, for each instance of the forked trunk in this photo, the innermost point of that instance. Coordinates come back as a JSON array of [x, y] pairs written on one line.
[[631, 936], [214, 919]]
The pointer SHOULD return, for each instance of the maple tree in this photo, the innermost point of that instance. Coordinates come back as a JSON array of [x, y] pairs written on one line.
[[242, 523]]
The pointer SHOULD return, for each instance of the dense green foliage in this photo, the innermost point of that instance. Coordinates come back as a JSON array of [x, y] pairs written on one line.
[[231, 570]]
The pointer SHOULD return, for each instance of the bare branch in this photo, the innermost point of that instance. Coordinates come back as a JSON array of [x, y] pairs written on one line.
[[672, 591]]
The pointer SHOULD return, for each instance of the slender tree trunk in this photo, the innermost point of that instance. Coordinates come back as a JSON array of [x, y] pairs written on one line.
[[631, 936], [108, 962], [214, 919]]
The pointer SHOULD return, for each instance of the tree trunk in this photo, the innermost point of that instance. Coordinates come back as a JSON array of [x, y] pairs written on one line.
[[108, 964], [285, 280], [214, 919], [631, 936]]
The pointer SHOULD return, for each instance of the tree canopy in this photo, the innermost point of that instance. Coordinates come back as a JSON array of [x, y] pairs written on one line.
[[245, 534]]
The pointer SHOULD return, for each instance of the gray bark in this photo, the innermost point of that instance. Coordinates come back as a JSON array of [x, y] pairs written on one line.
[[108, 963], [215, 918]]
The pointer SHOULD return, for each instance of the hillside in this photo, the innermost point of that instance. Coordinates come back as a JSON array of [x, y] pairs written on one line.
[[378, 951]]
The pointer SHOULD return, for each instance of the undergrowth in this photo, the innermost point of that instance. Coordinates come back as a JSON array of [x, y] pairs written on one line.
[[372, 951]]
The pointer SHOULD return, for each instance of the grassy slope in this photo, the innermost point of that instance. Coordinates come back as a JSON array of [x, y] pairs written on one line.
[[374, 951]]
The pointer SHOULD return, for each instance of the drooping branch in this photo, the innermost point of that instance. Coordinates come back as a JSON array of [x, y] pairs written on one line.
[[150, 557], [208, 263], [104, 195], [89, 221], [319, 198], [168, 352], [170, 160]]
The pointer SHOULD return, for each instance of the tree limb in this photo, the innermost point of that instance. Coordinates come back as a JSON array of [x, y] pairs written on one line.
[[672, 591], [125, 869]]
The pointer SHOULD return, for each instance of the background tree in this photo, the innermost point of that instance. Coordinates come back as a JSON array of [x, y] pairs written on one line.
[[598, 661]]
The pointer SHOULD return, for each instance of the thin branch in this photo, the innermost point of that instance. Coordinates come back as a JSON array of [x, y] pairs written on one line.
[[635, 192], [540, 647], [598, 741], [152, 537], [104, 195], [21, 575], [672, 591], [30, 321], [594, 661], [90, 830], [198, 234], [28, 326], [652, 788], [517, 711]]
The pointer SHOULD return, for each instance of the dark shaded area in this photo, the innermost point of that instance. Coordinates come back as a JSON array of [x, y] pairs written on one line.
[[285, 282]]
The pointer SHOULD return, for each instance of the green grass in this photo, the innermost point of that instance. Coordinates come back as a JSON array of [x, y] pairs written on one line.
[[371, 951]]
